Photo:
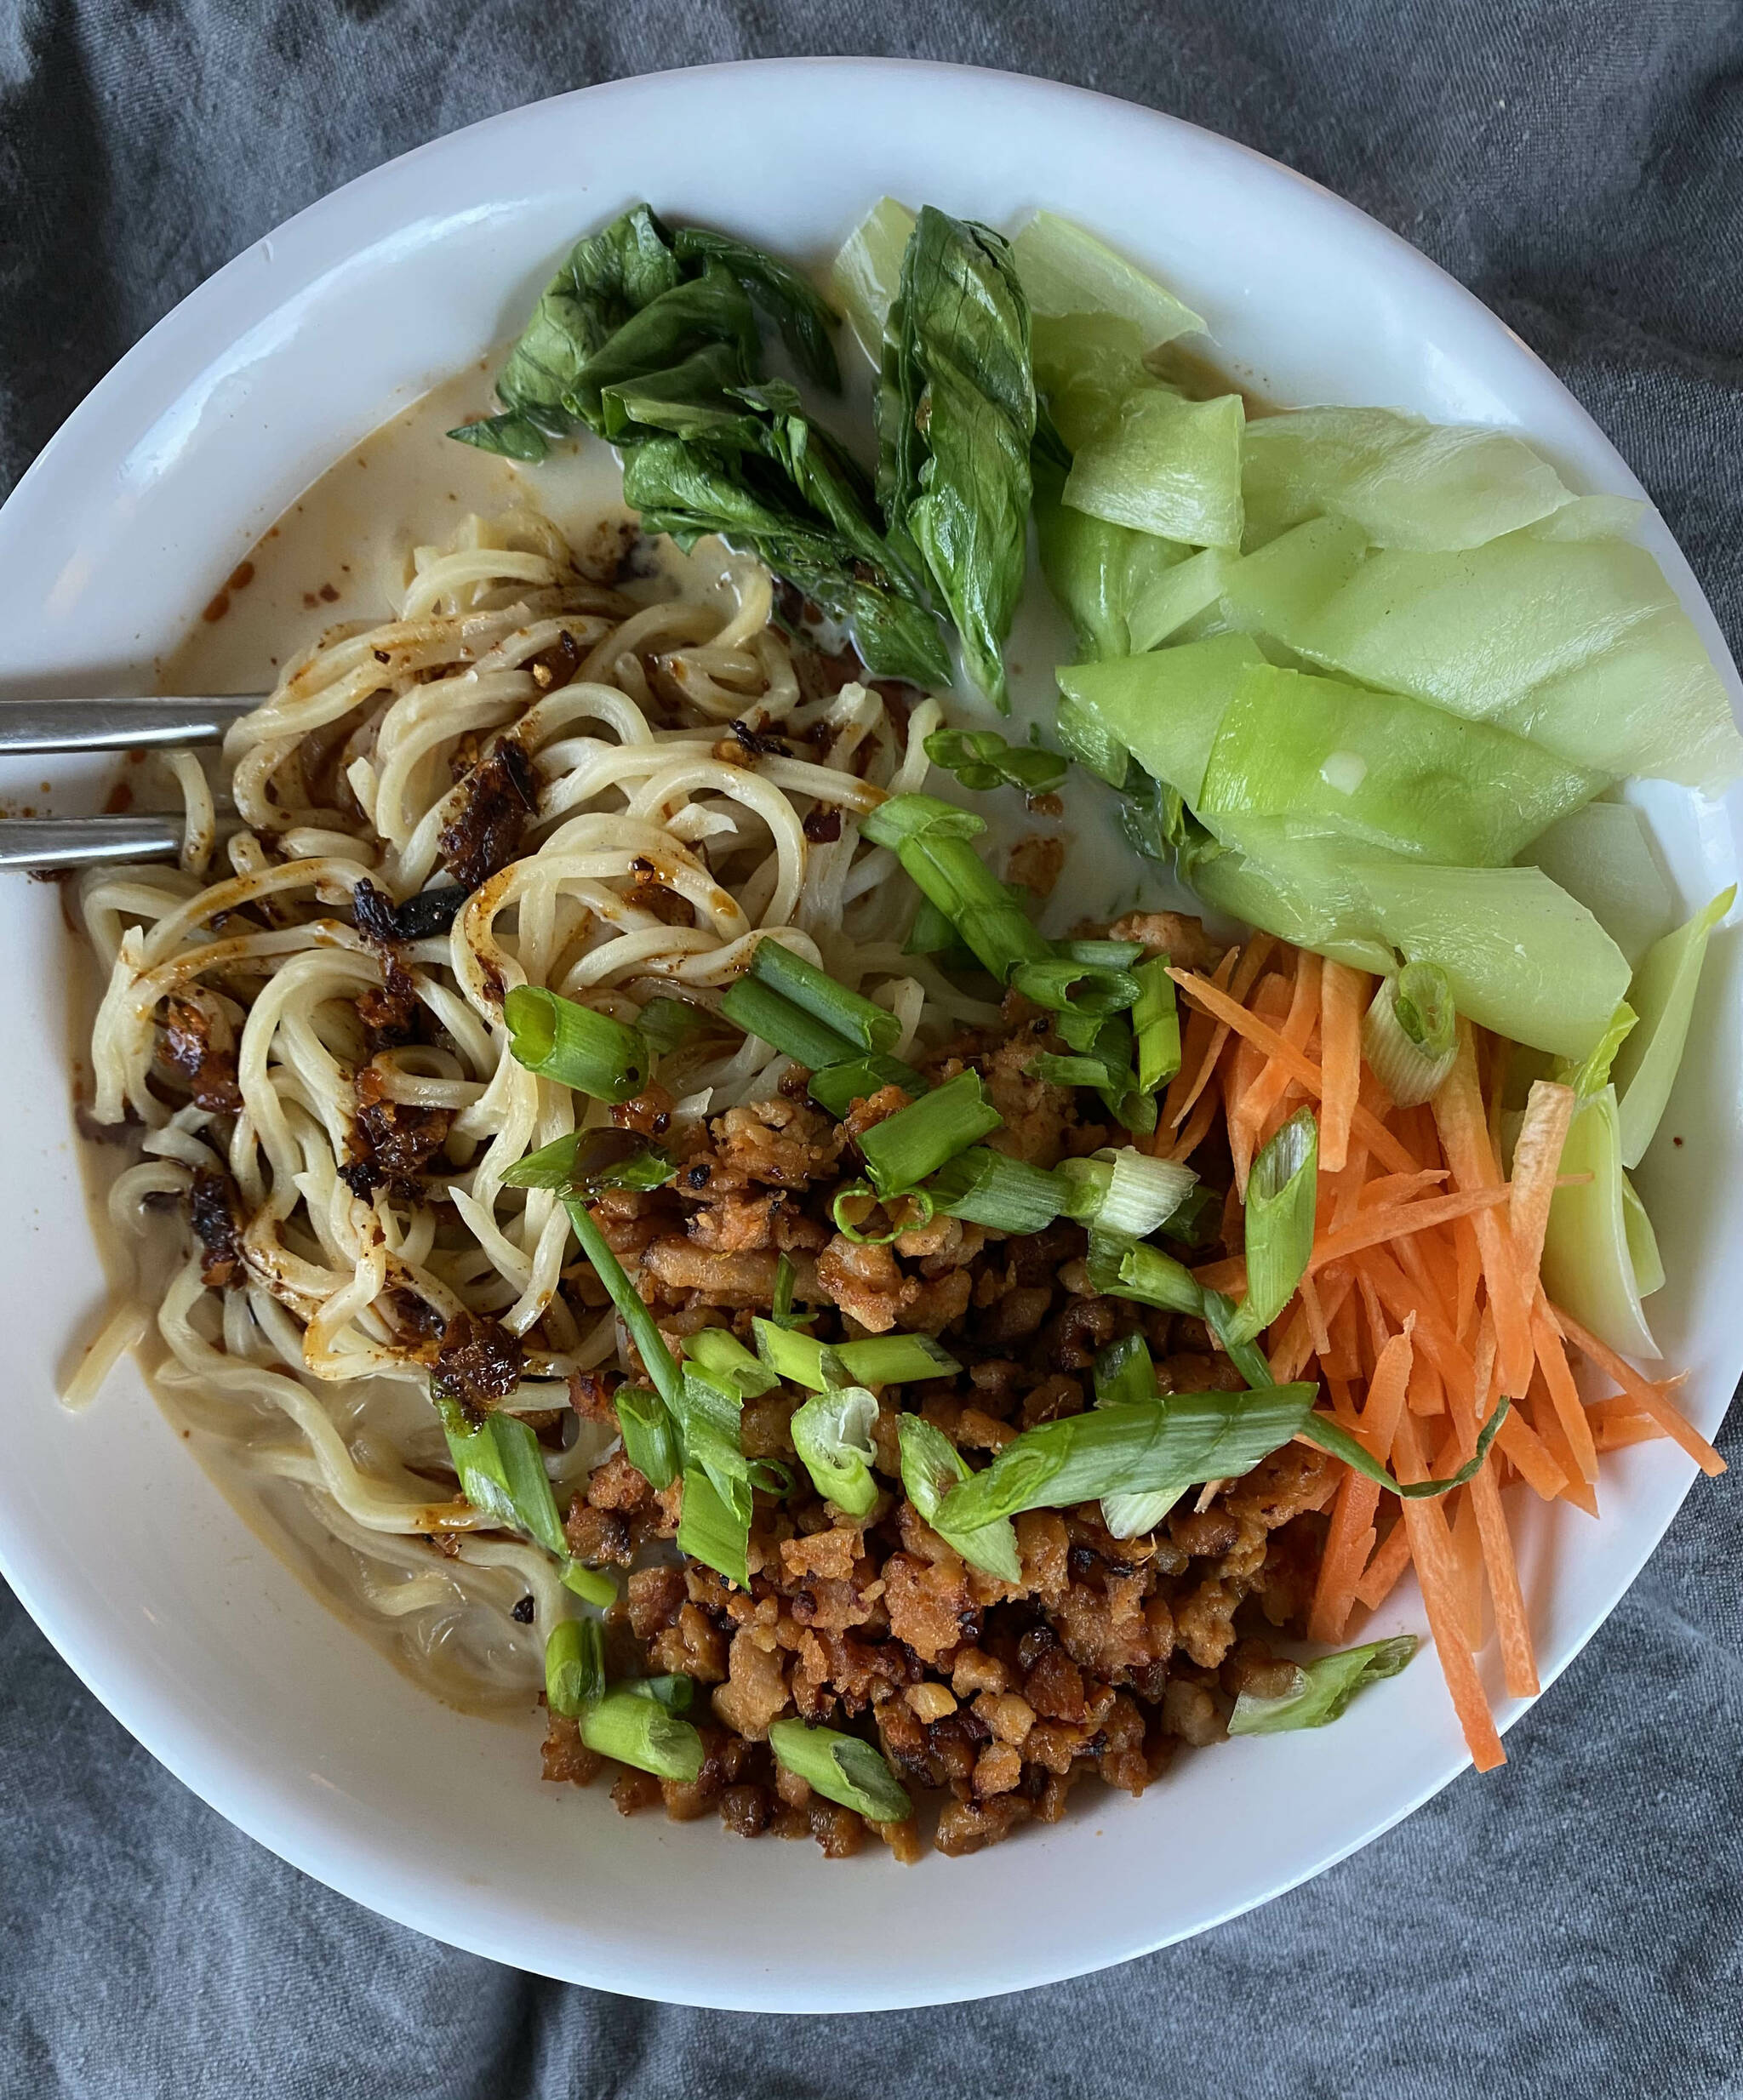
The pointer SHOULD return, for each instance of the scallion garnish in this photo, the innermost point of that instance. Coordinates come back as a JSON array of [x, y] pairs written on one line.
[[1198, 1221], [842, 1768], [932, 1467], [1120, 1267], [1282, 1189], [1123, 1372], [915, 1142], [574, 1665], [649, 1433], [632, 1309], [502, 1470], [781, 1303], [714, 1525], [639, 1731], [1082, 989], [1409, 1034], [931, 839], [587, 1160], [760, 1010], [1336, 1441], [592, 1585], [676, 1693], [1320, 1690], [1154, 1448], [575, 1045], [854, 1193], [835, 1087], [667, 1024], [725, 1359], [860, 1020], [1123, 1191], [987, 1187], [832, 1434], [982, 759], [1100, 954], [1104, 1064], [1156, 1023], [877, 1359]]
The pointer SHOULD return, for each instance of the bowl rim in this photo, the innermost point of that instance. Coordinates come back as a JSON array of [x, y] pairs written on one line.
[[156, 373]]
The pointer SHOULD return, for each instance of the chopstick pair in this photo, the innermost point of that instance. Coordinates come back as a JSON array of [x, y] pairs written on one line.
[[42, 727]]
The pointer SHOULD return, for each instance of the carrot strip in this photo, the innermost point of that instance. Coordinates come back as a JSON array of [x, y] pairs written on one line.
[[1437, 1571], [1397, 1221], [1562, 1391], [1382, 1575], [1314, 1306], [1537, 1153], [1535, 1464], [1428, 1396], [1468, 1557], [1469, 1275], [1512, 1625], [1363, 1123], [1348, 1543], [1652, 1398], [1575, 1488], [1198, 1127], [1385, 1189], [1464, 1135], [1638, 1429], [1204, 1039], [1343, 995], [1265, 1095], [1624, 1406]]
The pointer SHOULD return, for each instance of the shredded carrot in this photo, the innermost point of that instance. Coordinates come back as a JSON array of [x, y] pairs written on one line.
[[1512, 1625], [1467, 1558], [1468, 1275], [1653, 1399], [1384, 1189], [1626, 1429], [1314, 1306], [1260, 1098], [1437, 1571], [1198, 1125], [1200, 1050], [1624, 1406], [1575, 1487], [1343, 995], [1363, 1123], [1383, 1571], [1463, 1134], [1397, 1221], [1562, 1391]]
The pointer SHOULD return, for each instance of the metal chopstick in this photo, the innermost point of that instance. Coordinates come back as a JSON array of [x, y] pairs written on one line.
[[33, 726], [84, 841]]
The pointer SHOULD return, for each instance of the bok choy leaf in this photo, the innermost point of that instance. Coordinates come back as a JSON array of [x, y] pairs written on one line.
[[1321, 1691], [1662, 995]]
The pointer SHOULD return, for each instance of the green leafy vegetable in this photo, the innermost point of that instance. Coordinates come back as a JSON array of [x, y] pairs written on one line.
[[956, 376], [1588, 1263], [1321, 1690], [1107, 578], [1407, 484], [842, 1768], [865, 275], [1066, 271], [1165, 708], [1662, 993], [932, 1469], [982, 759], [792, 304], [1601, 855]]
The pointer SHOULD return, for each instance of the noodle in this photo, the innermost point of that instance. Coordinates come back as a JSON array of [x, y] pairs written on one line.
[[658, 852]]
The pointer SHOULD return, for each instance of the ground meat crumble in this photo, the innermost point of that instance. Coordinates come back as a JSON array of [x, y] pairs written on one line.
[[990, 1698]]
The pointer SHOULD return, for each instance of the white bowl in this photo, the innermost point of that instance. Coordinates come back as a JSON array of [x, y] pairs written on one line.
[[204, 1644]]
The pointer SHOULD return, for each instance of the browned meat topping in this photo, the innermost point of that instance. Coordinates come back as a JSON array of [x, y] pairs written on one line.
[[1038, 861], [555, 667], [391, 1142], [498, 796], [204, 1053], [215, 1211], [479, 1361]]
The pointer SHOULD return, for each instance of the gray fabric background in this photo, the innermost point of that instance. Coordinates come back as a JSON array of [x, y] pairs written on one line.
[[1571, 1926]]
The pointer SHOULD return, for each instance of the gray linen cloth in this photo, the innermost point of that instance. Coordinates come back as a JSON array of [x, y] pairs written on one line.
[[1571, 1926]]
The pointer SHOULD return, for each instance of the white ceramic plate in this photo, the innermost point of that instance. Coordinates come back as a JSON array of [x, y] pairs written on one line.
[[196, 1636]]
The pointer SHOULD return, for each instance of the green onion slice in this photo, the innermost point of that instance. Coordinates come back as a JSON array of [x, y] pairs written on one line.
[[1336, 1441], [842, 1768], [915, 1142], [586, 1161], [860, 1020], [1282, 1190], [1124, 1191], [575, 1045], [760, 1010], [649, 1435], [1083, 988], [714, 1525], [724, 1358], [837, 1087], [932, 1467], [1123, 1372], [857, 1192], [1198, 1221], [879, 1359], [832, 1434], [1153, 1448], [932, 840], [667, 1024], [1119, 1267], [1408, 1038], [650, 1343], [1156, 1023], [905, 818], [780, 1307], [1321, 1690], [592, 1585], [987, 1187], [502, 1470], [676, 1693], [639, 1731], [574, 1665], [1100, 954]]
